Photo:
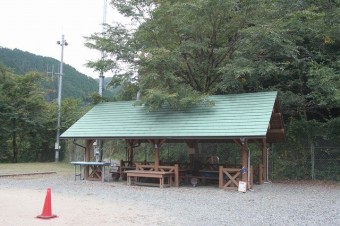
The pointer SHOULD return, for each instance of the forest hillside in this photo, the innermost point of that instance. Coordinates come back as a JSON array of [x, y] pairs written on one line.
[[75, 84]]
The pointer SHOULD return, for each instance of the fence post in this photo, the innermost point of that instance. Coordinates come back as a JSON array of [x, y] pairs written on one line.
[[312, 159]]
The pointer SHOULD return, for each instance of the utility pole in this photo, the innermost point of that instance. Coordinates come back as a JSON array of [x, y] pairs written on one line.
[[99, 143], [101, 76], [57, 144]]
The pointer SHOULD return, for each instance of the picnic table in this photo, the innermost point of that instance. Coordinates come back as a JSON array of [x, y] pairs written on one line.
[[97, 170]]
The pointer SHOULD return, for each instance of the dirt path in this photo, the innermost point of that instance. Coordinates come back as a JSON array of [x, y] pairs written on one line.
[[21, 206]]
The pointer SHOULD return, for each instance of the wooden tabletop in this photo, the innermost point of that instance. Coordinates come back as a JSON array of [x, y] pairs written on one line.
[[92, 163]]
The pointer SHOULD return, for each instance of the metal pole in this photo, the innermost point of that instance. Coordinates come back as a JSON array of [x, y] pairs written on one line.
[[101, 76], [57, 144], [267, 181], [101, 80]]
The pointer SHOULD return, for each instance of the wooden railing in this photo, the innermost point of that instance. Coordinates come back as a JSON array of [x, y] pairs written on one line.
[[231, 180], [230, 177]]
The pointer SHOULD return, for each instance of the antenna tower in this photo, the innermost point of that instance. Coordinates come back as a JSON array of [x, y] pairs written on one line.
[[101, 76], [99, 143]]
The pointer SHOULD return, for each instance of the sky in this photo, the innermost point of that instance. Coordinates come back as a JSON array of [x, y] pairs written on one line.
[[36, 26]]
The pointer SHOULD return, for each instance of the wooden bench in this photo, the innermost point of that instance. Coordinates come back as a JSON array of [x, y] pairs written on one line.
[[163, 176]]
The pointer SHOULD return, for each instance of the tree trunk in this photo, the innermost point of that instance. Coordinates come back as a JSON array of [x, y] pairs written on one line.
[[14, 142]]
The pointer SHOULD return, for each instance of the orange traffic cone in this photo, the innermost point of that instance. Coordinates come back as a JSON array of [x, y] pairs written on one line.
[[47, 210]]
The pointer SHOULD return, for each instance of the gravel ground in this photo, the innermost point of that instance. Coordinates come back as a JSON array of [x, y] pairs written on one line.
[[114, 203]]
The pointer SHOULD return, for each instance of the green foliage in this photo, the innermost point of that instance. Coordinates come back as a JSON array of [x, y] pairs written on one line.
[[128, 91], [184, 46], [189, 49], [96, 98], [22, 114], [309, 84], [115, 54], [28, 122]]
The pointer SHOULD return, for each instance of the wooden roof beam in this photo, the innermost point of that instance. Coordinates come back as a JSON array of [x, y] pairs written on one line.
[[276, 131]]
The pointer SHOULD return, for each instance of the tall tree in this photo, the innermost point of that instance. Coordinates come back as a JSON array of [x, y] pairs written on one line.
[[22, 104], [184, 50], [28, 122]]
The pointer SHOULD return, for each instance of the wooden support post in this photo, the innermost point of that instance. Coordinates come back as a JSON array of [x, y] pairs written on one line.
[[192, 152], [244, 170], [156, 155], [130, 151], [176, 175], [130, 154], [156, 144], [264, 159], [87, 157], [220, 178]]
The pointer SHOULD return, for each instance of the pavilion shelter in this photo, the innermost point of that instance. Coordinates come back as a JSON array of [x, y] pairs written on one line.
[[240, 118]]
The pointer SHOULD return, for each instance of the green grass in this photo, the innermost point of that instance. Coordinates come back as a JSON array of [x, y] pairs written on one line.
[[19, 168]]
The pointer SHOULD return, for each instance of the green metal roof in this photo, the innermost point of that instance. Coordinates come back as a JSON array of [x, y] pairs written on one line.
[[232, 116]]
